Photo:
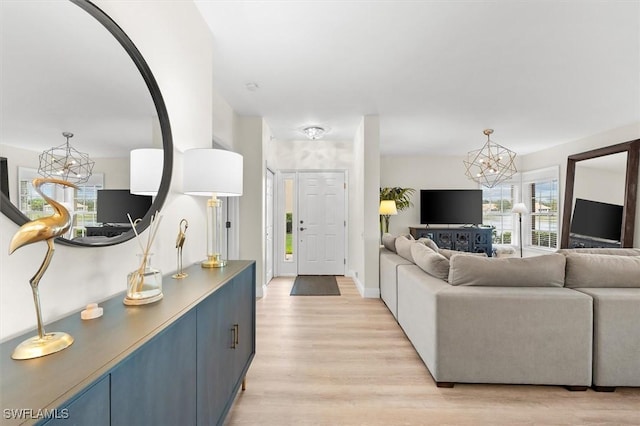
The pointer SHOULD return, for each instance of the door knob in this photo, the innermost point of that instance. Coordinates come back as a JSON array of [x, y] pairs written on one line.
[[302, 229]]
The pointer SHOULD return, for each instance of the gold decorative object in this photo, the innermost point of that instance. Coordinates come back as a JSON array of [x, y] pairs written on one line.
[[42, 229], [179, 243], [491, 164], [144, 285]]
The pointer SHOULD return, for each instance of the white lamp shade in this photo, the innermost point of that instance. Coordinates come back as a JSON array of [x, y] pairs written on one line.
[[145, 171], [212, 172], [388, 207], [520, 208]]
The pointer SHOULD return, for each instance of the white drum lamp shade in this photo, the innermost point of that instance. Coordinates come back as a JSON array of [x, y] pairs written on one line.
[[212, 172], [215, 173], [145, 171]]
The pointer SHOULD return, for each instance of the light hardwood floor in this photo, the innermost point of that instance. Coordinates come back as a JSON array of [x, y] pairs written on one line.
[[343, 360]]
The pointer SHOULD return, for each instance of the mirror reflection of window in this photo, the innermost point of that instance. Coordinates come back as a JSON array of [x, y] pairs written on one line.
[[80, 202]]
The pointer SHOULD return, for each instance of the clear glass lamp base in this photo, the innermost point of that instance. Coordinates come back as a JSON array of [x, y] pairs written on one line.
[[35, 347], [214, 261]]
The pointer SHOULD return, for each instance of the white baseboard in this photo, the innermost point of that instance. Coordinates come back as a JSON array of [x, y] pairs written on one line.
[[371, 293]]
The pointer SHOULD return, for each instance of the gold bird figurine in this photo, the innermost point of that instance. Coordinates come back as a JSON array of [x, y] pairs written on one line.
[[42, 229], [179, 243]]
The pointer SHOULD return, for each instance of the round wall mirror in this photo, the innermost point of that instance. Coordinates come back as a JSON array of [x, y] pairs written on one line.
[[68, 68]]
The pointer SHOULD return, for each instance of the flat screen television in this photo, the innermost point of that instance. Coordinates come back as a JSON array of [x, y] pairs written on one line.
[[450, 206], [597, 220], [114, 204]]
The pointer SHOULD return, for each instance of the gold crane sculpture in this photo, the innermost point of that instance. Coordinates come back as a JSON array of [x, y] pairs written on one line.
[[42, 229], [179, 243]]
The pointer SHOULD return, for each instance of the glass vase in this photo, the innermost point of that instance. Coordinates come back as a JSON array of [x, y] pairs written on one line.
[[144, 284]]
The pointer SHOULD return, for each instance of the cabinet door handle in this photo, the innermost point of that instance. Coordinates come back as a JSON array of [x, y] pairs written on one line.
[[234, 337], [237, 334]]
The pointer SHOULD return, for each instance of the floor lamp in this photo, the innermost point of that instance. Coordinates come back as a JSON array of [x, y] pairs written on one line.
[[215, 173], [520, 209]]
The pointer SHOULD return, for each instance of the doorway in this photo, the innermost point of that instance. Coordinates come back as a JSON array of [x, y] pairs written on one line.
[[311, 223]]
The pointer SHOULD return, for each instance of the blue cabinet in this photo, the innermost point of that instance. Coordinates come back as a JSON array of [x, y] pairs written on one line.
[[89, 408], [470, 239], [155, 384], [179, 361], [226, 346]]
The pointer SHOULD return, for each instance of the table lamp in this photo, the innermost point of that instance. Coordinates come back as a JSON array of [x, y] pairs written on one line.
[[215, 173]]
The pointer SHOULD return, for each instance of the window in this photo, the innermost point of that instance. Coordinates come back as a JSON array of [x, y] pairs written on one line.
[[542, 200], [81, 201], [496, 211], [288, 220]]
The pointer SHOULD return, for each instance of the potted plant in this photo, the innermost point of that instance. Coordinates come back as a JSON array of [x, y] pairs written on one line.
[[402, 197]]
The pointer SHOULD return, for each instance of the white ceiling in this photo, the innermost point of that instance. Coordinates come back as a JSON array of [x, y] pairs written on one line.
[[437, 73]]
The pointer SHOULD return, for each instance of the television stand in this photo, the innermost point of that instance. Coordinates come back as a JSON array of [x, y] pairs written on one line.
[[106, 231], [460, 238], [582, 241]]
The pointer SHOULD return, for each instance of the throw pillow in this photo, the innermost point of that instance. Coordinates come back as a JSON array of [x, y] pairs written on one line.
[[403, 246], [448, 253], [539, 271], [429, 243], [429, 261], [389, 242], [586, 270]]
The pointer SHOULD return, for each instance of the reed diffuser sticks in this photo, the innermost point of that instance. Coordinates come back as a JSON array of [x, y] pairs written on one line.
[[137, 277]]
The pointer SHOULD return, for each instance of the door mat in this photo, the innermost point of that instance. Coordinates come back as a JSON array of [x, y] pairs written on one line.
[[315, 285]]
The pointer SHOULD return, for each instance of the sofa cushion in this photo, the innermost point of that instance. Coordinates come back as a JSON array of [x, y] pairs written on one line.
[[429, 261], [448, 253], [587, 270], [389, 242], [538, 271], [616, 251], [403, 246], [429, 243]]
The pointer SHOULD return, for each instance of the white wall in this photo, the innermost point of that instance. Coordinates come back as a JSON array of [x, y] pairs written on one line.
[[248, 139], [594, 184], [176, 44], [420, 172], [558, 156], [115, 170], [364, 227], [310, 155]]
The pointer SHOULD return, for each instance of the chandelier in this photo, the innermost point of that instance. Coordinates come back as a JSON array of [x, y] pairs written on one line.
[[491, 164], [65, 162]]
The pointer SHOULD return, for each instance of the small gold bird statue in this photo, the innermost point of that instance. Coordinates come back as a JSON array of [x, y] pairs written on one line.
[[42, 229], [179, 243]]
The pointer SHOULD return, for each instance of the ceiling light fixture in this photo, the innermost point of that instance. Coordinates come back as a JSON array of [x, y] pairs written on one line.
[[491, 164], [252, 86], [314, 132], [65, 162]]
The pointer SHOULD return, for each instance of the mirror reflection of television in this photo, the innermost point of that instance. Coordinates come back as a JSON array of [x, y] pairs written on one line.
[[114, 204], [596, 219], [451, 206]]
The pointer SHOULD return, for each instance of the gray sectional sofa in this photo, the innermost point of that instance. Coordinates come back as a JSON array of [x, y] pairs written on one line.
[[570, 318]]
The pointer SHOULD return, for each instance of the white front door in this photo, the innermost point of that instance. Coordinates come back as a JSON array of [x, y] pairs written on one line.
[[321, 223], [269, 226]]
